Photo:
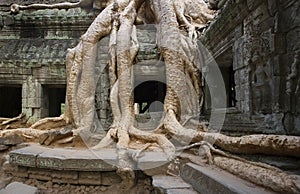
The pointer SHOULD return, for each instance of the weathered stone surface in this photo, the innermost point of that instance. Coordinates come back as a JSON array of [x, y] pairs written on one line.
[[8, 20], [181, 191], [2, 184], [91, 161], [11, 140], [17, 187], [171, 185], [26, 156], [206, 179], [152, 160], [64, 159], [90, 178], [65, 176], [3, 148], [1, 21], [110, 178], [169, 182], [79, 159], [38, 174]]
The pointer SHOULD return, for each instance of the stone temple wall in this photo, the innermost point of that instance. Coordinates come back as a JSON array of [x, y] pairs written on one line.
[[255, 43], [33, 46], [260, 40]]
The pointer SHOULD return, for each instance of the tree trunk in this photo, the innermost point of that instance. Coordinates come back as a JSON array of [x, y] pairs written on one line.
[[176, 22]]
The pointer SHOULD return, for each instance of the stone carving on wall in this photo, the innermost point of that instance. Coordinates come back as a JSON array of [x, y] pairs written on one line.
[[257, 57], [260, 81]]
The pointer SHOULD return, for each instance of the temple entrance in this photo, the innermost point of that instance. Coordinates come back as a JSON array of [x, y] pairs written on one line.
[[228, 76], [10, 101], [225, 65], [149, 86], [54, 100], [149, 96]]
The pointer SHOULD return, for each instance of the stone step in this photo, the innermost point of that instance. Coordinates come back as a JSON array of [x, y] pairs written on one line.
[[211, 180], [171, 185], [75, 159]]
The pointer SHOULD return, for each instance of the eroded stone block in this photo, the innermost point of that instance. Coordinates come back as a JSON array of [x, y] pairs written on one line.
[[110, 178], [89, 178]]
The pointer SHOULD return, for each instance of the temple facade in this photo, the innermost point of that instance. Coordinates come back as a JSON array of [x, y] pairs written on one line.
[[255, 44]]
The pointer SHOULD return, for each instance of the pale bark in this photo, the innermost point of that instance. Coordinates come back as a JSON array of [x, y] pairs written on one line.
[[272, 179], [12, 123], [50, 123]]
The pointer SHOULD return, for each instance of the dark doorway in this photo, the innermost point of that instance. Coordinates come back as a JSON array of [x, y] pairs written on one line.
[[228, 76], [216, 100], [150, 96], [54, 100], [10, 101]]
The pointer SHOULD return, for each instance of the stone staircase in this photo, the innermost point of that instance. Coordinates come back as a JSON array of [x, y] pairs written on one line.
[[235, 123]]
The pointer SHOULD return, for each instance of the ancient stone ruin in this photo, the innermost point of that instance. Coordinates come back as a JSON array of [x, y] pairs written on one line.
[[158, 96]]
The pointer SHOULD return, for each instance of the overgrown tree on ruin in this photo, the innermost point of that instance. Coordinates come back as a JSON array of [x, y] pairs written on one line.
[[176, 22]]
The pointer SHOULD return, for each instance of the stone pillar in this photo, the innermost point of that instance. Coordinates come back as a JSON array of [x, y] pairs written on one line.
[[241, 76], [32, 99]]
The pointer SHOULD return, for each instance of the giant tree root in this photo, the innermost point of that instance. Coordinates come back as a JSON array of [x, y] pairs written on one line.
[[278, 180], [281, 145], [50, 123], [12, 123], [258, 173], [27, 133], [46, 137]]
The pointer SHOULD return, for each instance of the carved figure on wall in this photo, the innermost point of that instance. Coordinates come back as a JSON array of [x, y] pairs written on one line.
[[261, 86], [182, 59]]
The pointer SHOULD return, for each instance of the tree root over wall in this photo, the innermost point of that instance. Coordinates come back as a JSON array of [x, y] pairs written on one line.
[[176, 21]]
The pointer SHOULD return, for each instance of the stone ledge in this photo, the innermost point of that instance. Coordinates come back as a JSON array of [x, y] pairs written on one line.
[[210, 180], [171, 185], [73, 159]]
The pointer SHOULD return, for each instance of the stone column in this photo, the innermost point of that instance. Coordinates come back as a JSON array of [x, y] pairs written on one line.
[[32, 99]]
